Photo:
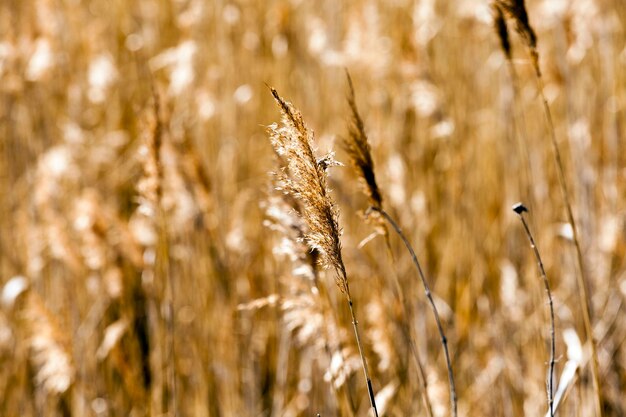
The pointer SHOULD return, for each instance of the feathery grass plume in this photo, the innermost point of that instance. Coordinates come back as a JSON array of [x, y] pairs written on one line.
[[358, 150], [285, 219], [305, 179], [149, 186], [517, 10], [519, 208], [49, 347], [499, 24], [49, 351], [284, 215]]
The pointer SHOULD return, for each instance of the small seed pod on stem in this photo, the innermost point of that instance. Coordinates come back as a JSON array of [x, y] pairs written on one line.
[[520, 209]]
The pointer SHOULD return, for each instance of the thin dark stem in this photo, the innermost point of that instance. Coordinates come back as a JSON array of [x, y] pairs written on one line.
[[550, 381], [355, 323], [405, 328], [444, 340], [583, 293]]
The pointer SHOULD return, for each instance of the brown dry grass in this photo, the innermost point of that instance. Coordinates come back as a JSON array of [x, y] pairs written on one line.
[[148, 266]]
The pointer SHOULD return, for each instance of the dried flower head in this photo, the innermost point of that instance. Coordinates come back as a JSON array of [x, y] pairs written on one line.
[[358, 150], [305, 179]]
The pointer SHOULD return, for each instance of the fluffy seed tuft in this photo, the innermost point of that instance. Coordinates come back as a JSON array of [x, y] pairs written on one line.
[[306, 179]]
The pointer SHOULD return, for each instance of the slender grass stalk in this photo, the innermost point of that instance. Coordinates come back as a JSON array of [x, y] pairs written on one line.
[[444, 340], [519, 130], [368, 379], [520, 209], [169, 292], [582, 280], [150, 190], [517, 10], [406, 331], [344, 392]]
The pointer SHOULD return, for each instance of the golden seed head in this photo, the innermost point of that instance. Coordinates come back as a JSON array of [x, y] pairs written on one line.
[[305, 178]]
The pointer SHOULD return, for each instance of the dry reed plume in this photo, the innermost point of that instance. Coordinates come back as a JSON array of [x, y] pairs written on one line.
[[501, 29], [306, 180], [516, 9], [358, 149]]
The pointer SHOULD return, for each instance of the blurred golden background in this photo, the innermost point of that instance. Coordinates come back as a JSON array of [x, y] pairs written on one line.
[[142, 272]]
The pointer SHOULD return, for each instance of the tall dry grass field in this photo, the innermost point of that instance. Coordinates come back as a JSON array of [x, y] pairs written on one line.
[[177, 238]]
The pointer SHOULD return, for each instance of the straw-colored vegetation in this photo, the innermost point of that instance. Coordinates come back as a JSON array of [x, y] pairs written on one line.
[[203, 216]]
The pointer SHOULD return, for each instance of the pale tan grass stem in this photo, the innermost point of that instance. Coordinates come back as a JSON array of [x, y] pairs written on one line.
[[520, 209]]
